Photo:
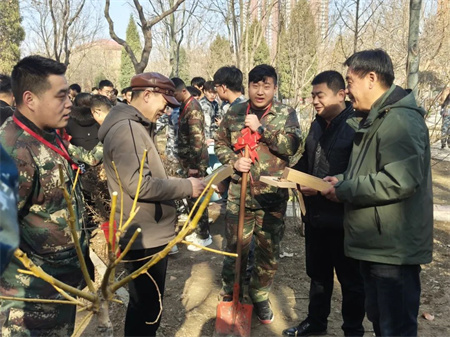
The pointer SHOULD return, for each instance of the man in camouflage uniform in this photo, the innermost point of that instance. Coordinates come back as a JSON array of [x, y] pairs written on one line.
[[192, 152], [43, 105], [265, 205]]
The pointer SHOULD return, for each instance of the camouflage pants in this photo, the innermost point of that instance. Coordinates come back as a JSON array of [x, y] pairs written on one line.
[[445, 131], [267, 226], [35, 319]]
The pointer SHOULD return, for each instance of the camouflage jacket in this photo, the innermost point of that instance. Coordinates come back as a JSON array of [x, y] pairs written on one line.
[[280, 140], [42, 210], [192, 149], [81, 155]]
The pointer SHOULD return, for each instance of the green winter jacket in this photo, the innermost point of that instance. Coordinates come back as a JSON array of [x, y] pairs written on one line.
[[387, 187]]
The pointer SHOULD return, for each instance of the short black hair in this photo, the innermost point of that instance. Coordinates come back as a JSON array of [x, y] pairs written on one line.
[[376, 60], [100, 101], [105, 83], [194, 91], [5, 84], [125, 90], [94, 88], [31, 74], [230, 76], [179, 83], [83, 100], [198, 81], [209, 86], [75, 87], [261, 73], [332, 78]]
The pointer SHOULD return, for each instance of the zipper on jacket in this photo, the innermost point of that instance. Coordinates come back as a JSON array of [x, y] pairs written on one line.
[[377, 220]]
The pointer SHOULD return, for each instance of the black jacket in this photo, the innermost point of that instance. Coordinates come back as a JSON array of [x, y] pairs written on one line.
[[83, 128], [327, 152], [5, 111]]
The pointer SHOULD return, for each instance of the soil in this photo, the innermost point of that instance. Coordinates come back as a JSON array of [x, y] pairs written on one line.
[[193, 283]]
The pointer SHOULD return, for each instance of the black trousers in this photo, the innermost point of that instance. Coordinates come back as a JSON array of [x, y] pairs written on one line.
[[392, 297], [203, 224], [324, 254], [144, 303]]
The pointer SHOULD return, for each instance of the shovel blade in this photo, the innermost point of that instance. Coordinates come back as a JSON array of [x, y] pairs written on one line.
[[234, 319]]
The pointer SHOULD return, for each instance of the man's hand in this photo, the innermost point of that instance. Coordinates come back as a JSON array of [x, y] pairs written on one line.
[[243, 164], [330, 193], [197, 186], [307, 191], [252, 122]]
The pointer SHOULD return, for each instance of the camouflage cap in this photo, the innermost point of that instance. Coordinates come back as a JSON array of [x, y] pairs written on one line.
[[158, 83]]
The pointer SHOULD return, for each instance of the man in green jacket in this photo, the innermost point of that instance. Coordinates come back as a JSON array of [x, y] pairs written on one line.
[[386, 189]]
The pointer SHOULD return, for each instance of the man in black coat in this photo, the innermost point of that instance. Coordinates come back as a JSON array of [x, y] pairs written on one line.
[[6, 98], [327, 151]]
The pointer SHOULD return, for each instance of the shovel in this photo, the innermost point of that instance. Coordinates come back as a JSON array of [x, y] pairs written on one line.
[[235, 318]]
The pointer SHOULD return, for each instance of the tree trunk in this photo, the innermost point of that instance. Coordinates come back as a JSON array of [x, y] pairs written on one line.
[[412, 64], [355, 39]]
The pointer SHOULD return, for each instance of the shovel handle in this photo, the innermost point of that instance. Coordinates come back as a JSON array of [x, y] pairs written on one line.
[[240, 231]]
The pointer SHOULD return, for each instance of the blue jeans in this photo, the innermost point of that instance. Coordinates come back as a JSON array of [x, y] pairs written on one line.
[[392, 297]]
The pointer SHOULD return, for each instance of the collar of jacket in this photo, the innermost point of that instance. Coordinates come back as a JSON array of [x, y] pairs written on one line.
[[3, 104], [273, 108], [49, 135], [378, 107]]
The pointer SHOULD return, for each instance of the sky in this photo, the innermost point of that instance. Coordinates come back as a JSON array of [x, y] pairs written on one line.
[[120, 12]]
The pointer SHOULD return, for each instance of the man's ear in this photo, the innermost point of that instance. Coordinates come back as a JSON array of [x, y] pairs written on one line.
[[29, 100], [342, 95], [373, 78]]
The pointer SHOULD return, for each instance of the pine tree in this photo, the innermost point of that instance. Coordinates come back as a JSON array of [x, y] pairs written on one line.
[[220, 54], [297, 59], [11, 34], [126, 68]]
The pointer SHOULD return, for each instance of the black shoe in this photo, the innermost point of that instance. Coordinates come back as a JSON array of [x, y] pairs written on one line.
[[304, 329], [263, 312]]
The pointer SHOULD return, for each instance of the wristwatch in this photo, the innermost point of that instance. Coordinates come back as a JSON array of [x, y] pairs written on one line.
[[260, 130]]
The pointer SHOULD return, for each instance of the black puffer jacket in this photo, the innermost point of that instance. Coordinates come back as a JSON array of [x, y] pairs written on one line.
[[327, 152], [83, 128]]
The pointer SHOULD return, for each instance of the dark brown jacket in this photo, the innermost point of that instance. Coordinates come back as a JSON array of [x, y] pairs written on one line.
[[125, 134]]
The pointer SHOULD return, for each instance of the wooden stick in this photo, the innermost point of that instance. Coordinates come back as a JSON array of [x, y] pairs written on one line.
[[209, 249], [121, 195], [38, 272], [35, 300], [73, 231], [111, 223]]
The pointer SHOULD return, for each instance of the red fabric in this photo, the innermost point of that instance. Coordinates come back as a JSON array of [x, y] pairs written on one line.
[[105, 229], [248, 138]]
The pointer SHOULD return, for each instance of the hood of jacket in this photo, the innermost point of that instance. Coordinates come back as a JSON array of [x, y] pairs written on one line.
[[395, 97], [120, 113]]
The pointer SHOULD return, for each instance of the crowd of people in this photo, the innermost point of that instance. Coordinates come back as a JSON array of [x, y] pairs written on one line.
[[373, 226]]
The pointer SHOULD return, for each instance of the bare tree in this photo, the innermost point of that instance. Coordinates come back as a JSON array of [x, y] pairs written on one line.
[[146, 27], [62, 25], [174, 28], [412, 66], [355, 16]]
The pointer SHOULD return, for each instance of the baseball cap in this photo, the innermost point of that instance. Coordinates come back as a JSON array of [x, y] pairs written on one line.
[[156, 82]]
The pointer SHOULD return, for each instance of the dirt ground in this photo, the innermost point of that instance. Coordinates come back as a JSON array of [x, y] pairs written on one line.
[[193, 283]]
